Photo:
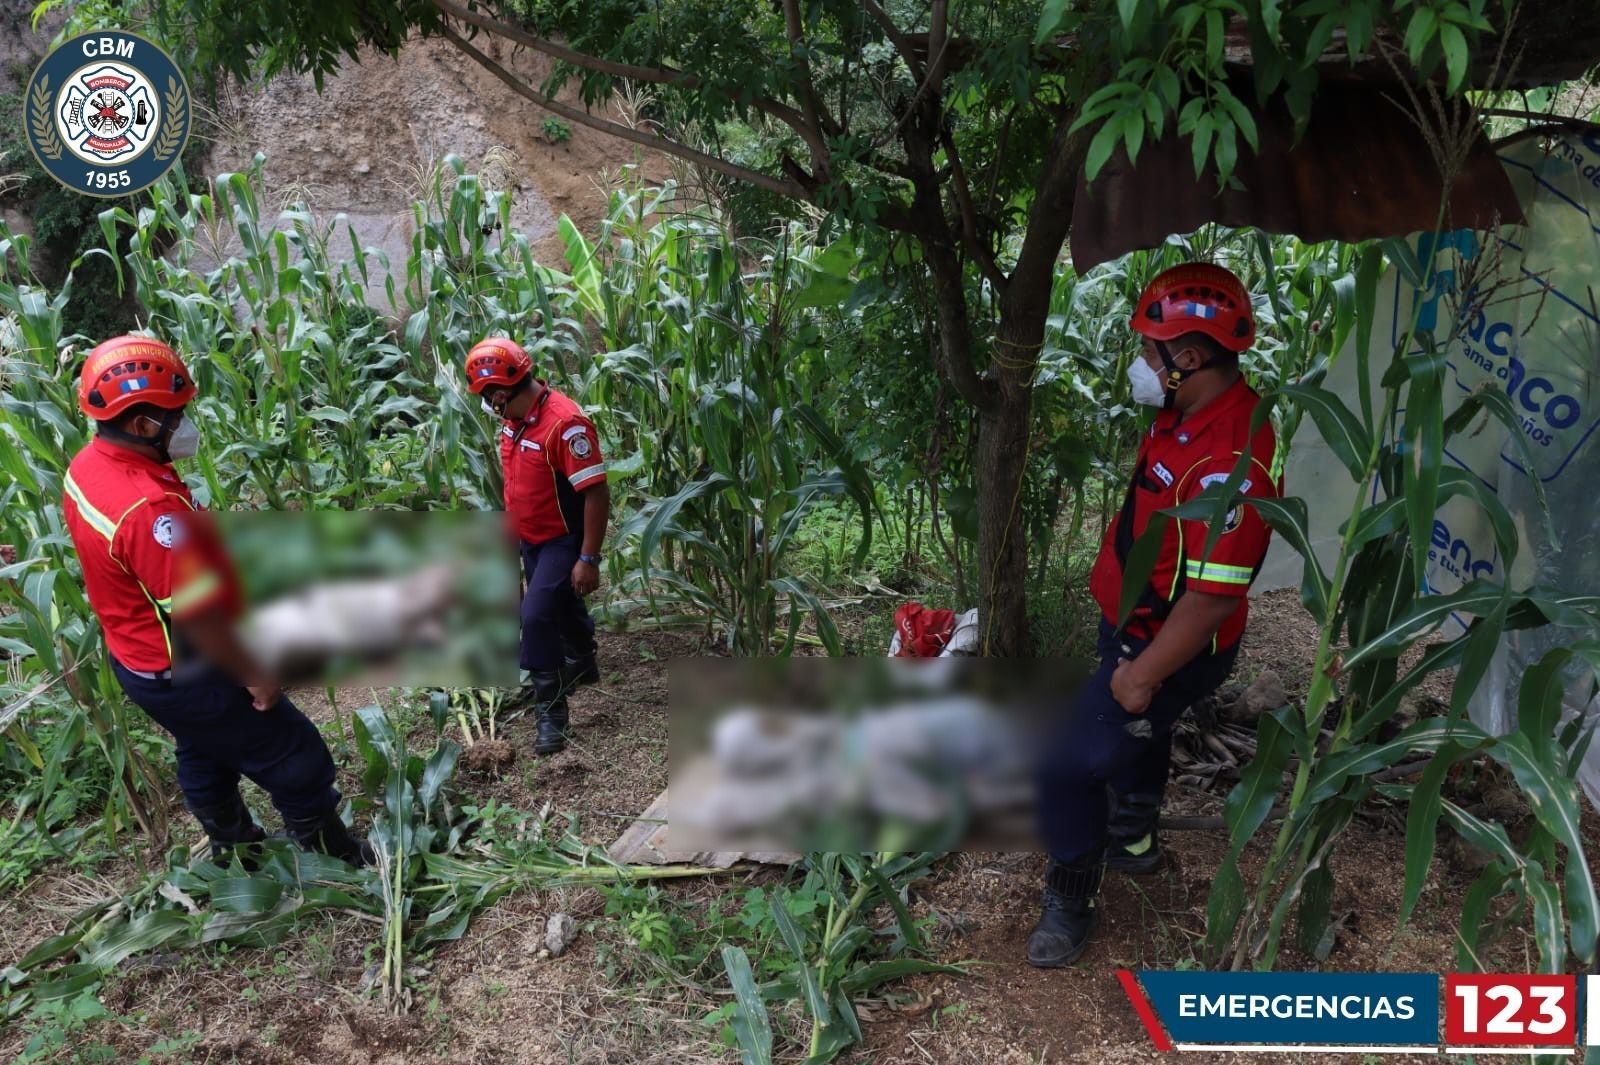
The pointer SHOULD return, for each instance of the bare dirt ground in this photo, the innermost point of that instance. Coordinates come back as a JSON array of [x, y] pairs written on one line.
[[491, 999]]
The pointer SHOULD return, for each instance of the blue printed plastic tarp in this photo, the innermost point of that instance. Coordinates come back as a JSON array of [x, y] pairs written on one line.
[[1520, 307]]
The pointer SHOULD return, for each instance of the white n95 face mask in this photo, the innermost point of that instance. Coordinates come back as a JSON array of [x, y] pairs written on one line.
[[185, 442], [1148, 388], [490, 411]]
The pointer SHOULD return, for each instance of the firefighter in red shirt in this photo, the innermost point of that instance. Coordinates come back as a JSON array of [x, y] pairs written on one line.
[[167, 599], [557, 498], [1101, 784]]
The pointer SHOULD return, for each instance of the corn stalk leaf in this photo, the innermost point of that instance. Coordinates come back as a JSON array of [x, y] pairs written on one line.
[[816, 1002], [1246, 809], [750, 1024], [1350, 443]]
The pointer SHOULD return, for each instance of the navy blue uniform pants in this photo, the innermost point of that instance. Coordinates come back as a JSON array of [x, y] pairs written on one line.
[[1099, 744], [554, 620], [221, 736]]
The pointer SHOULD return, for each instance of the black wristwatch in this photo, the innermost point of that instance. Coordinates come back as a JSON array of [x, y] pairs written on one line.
[[593, 560]]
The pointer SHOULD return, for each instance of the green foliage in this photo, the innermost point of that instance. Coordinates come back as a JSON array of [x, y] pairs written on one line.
[[436, 871], [1171, 63], [555, 131], [837, 932], [53, 780], [47, 630], [711, 374], [59, 1027], [1371, 610]]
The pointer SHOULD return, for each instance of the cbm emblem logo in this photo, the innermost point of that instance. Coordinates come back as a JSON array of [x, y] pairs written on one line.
[[107, 113]]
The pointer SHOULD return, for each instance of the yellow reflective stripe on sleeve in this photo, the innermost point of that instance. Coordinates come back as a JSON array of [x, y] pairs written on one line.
[[194, 592], [97, 521], [585, 474], [1217, 572]]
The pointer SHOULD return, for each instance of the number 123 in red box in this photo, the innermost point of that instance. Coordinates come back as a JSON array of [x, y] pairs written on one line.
[[1507, 1010]]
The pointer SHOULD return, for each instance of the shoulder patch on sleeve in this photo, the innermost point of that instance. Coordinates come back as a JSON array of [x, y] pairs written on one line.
[[165, 531], [578, 441], [1231, 522]]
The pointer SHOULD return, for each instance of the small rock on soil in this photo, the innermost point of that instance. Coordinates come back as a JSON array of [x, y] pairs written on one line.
[[559, 932]]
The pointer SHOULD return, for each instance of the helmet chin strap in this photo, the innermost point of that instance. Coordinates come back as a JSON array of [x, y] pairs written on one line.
[[1175, 375], [158, 442]]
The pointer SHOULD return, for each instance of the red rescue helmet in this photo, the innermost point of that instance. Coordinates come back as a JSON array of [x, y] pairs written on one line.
[[1196, 298], [128, 370], [496, 361]]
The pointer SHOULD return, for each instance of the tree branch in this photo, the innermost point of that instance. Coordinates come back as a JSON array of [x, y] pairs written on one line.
[[816, 112], [657, 75], [617, 129], [901, 41], [932, 231], [1049, 218], [955, 328], [980, 251], [938, 27]]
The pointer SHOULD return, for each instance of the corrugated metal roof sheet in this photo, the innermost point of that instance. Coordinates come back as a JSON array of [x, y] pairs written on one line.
[[1362, 169]]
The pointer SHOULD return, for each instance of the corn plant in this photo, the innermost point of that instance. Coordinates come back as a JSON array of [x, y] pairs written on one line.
[[835, 959], [306, 394], [47, 629], [477, 712], [1370, 610], [433, 876], [184, 906], [722, 363]]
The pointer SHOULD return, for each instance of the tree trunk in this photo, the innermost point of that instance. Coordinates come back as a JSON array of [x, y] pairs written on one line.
[[1003, 393], [1002, 462]]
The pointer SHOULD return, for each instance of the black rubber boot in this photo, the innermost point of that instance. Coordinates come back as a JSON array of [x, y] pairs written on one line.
[[328, 835], [1133, 844], [580, 669], [1071, 910], [550, 690], [229, 825]]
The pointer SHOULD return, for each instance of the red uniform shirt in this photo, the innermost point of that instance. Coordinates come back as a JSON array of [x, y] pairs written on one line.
[[145, 559], [1177, 461], [548, 458]]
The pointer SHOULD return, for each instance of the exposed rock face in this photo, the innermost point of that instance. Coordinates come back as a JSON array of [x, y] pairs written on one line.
[[365, 145]]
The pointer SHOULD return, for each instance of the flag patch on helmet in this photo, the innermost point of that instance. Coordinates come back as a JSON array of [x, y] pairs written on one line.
[[134, 384], [1201, 310]]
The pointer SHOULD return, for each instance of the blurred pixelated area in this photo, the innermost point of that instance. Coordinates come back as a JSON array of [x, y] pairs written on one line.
[[377, 597], [867, 754]]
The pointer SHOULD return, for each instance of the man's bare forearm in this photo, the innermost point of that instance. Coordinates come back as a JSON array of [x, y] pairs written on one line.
[[596, 516], [1194, 621]]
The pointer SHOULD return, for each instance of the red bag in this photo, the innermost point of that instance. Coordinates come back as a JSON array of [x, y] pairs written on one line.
[[923, 633]]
